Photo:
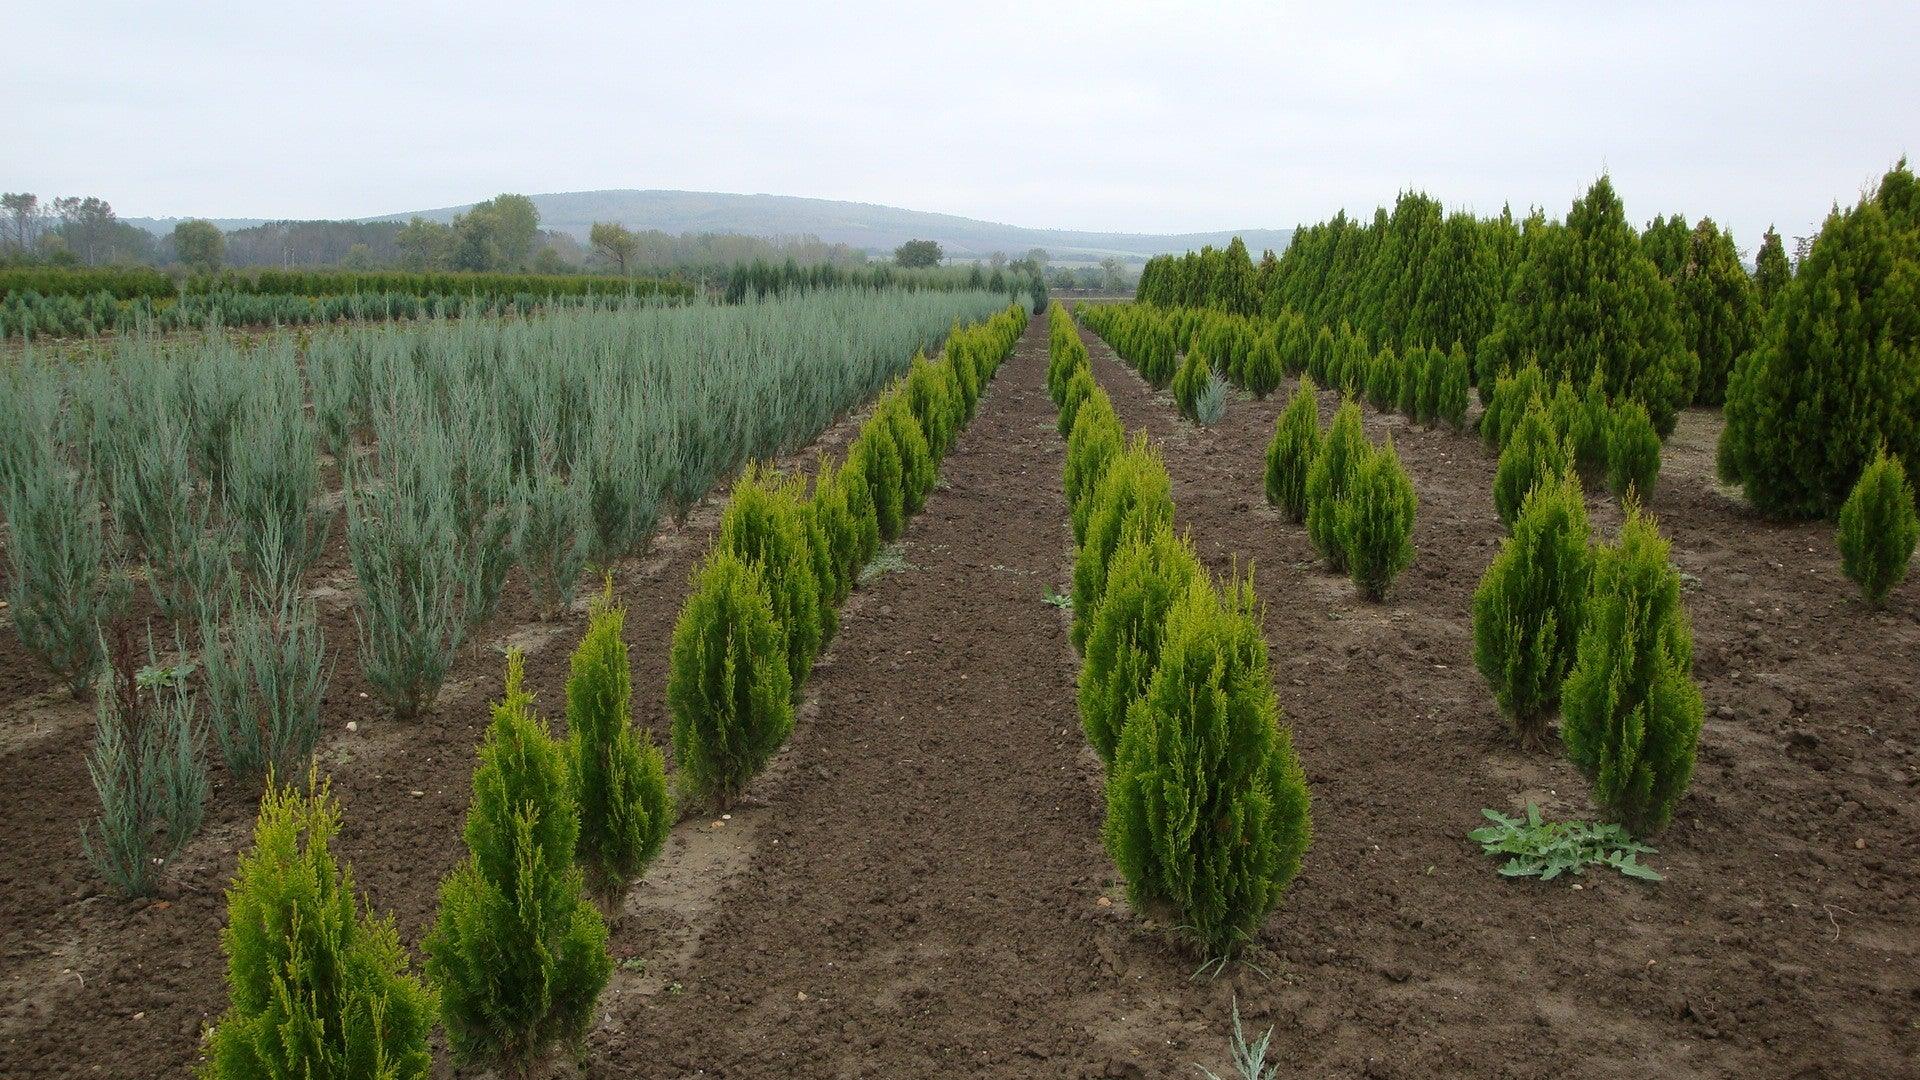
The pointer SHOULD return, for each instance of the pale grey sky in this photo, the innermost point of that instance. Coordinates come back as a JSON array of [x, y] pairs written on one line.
[[1109, 115]]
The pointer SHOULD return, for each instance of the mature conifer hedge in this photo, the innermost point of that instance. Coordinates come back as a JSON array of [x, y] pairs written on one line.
[[1837, 373]]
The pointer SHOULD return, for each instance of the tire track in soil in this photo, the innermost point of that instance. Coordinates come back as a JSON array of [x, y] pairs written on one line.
[[1399, 952], [925, 893]]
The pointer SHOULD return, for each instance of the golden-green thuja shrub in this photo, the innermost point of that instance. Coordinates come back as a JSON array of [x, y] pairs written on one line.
[[1376, 521], [929, 396], [618, 773], [1528, 608], [1133, 498], [1080, 387], [1633, 451], [1097, 438], [1507, 403], [916, 457], [728, 691], [1630, 711], [874, 458], [518, 953], [1191, 380], [1878, 528], [1145, 577], [856, 546], [763, 524], [1536, 452], [316, 986], [1293, 450], [1327, 481], [1207, 806]]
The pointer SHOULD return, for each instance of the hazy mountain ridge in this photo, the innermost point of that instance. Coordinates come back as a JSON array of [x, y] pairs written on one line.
[[863, 225]]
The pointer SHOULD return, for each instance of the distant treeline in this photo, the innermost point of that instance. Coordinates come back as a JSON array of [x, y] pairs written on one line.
[[760, 278], [136, 282]]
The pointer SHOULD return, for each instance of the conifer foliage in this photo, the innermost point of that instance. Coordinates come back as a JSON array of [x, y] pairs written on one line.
[[1294, 449], [1536, 452], [1207, 809], [1147, 575], [1327, 482], [618, 773], [1630, 710], [1133, 499], [1529, 606], [518, 954], [1376, 521], [1837, 373], [765, 526], [1207, 806], [729, 687], [316, 986], [1588, 298], [1878, 529]]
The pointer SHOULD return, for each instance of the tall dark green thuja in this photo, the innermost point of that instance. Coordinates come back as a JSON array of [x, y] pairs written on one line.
[[763, 525], [1528, 608], [1771, 271], [1630, 712], [1327, 483], [518, 953], [316, 987], [618, 773], [728, 691], [1589, 298], [1207, 806], [1837, 373], [1133, 498], [1722, 312], [1145, 577], [1293, 450]]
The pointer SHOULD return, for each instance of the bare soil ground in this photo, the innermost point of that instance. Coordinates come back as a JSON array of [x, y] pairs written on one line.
[[920, 889]]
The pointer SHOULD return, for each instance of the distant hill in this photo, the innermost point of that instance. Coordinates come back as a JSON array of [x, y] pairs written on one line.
[[861, 225]]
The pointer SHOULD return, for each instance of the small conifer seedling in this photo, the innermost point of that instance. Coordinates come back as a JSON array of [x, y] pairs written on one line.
[[1878, 528]]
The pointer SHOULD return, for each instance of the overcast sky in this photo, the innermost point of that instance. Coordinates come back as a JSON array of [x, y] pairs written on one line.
[[1104, 115]]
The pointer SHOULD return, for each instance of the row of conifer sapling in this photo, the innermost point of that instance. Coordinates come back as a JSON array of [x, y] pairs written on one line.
[[1258, 353], [1175, 693], [558, 829]]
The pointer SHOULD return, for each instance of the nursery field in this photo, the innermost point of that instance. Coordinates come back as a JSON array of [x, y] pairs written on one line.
[[1451, 647], [918, 884]]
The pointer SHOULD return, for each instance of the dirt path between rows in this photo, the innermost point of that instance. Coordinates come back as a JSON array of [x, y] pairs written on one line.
[[928, 895], [1785, 941]]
